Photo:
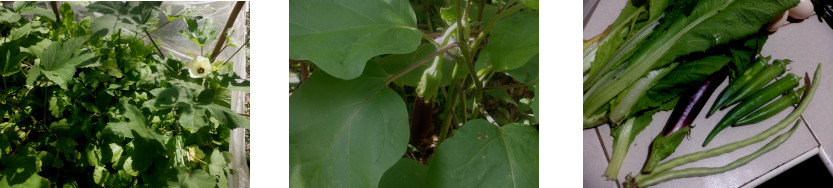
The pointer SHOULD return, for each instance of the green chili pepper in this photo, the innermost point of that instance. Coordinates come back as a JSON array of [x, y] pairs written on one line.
[[760, 80], [789, 99], [737, 84], [757, 100]]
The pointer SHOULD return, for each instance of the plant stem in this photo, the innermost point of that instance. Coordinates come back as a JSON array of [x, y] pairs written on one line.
[[420, 62], [56, 11], [235, 52], [154, 43], [160, 27], [451, 102], [463, 98], [491, 24]]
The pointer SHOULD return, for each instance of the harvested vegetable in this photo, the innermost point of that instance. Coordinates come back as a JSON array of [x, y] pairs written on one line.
[[679, 124], [657, 176], [703, 21], [705, 171], [787, 100], [737, 84], [760, 80], [757, 100]]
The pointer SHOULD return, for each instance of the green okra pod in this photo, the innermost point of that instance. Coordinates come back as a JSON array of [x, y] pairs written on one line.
[[737, 84], [787, 100], [760, 80], [754, 102]]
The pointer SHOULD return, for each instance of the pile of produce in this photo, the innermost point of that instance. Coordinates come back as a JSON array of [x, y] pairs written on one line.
[[662, 55]]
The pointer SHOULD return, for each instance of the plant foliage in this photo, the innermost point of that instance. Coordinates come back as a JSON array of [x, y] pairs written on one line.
[[380, 79], [90, 103]]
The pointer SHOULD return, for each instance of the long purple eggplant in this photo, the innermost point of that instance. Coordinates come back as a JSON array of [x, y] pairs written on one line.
[[679, 124]]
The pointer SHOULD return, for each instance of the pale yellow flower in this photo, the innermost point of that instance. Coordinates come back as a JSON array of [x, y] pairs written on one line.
[[199, 67]]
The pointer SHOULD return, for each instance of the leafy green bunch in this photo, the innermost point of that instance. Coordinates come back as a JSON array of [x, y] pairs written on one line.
[[91, 103]]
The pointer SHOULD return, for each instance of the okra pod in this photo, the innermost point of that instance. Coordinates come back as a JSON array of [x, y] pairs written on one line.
[[737, 84], [757, 100], [760, 80], [789, 99]]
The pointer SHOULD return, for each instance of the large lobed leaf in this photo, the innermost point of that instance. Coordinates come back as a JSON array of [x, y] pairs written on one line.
[[345, 133], [482, 155], [339, 37], [513, 41], [58, 61], [133, 15]]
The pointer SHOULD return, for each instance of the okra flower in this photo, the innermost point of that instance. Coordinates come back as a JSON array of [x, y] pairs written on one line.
[[199, 67]]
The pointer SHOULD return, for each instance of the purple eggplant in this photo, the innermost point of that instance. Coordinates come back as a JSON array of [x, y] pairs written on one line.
[[679, 124]]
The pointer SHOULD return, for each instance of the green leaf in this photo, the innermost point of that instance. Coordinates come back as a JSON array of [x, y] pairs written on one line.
[[526, 73], [175, 96], [348, 140], [113, 153], [406, 173], [10, 58], [38, 48], [119, 179], [513, 41], [100, 175], [59, 59], [226, 116], [93, 155], [187, 11], [201, 35], [33, 75], [38, 11], [57, 102], [20, 169], [33, 180], [9, 17], [66, 145], [192, 118], [17, 5], [481, 154], [132, 15], [196, 179], [31, 27], [340, 37], [135, 128], [533, 4]]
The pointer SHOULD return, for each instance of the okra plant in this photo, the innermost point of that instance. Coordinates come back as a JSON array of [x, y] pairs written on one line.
[[422, 93], [89, 101]]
